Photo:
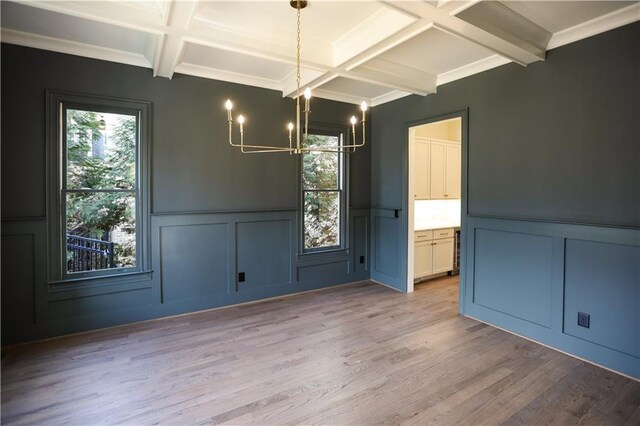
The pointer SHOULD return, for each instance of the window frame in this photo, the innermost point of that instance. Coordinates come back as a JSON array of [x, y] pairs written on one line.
[[58, 103], [343, 169]]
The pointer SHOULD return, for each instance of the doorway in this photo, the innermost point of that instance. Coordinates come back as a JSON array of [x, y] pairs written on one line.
[[435, 199]]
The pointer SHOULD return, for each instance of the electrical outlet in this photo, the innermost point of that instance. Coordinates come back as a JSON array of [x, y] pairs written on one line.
[[361, 259], [584, 319], [240, 277]]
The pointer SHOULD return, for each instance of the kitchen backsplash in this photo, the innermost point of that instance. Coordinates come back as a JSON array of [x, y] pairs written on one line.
[[430, 214]]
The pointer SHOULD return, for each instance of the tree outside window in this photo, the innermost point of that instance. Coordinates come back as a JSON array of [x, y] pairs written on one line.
[[100, 190], [322, 193]]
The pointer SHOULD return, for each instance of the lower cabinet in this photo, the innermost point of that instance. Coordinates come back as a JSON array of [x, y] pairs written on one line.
[[423, 262], [433, 252], [442, 255]]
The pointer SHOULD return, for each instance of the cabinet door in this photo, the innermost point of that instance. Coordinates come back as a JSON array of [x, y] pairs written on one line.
[[442, 255], [437, 162], [452, 171], [422, 259], [422, 165]]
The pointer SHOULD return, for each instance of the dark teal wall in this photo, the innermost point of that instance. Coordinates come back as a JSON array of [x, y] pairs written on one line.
[[556, 140], [214, 211], [553, 195]]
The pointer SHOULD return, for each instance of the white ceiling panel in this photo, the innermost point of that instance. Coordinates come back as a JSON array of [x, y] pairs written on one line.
[[431, 52], [235, 62], [359, 89], [351, 50], [23, 18], [323, 22], [556, 16]]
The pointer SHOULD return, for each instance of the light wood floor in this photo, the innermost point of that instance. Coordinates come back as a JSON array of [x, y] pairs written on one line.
[[354, 354]]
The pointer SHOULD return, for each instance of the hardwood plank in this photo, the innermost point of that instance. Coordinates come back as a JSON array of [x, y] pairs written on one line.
[[353, 354]]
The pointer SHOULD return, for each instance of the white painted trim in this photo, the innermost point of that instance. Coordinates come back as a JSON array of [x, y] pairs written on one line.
[[288, 83], [458, 7], [340, 97], [395, 76], [389, 43], [472, 68], [74, 48], [368, 75], [158, 54], [290, 90], [377, 28], [224, 75], [595, 26], [125, 21], [391, 96], [410, 207]]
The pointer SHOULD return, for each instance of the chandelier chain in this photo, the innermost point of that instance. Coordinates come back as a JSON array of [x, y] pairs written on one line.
[[300, 128], [298, 53]]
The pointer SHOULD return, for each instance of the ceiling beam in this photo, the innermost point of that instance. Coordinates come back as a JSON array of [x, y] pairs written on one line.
[[346, 68], [522, 52], [180, 15], [395, 76]]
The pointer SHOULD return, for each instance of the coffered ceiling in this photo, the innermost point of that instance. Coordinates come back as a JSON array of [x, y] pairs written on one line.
[[351, 50]]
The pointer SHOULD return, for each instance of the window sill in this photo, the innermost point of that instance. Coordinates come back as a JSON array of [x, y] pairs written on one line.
[[323, 256], [107, 280]]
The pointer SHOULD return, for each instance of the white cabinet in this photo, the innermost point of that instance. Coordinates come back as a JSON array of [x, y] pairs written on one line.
[[422, 178], [437, 169], [423, 263], [453, 172], [442, 255], [433, 252]]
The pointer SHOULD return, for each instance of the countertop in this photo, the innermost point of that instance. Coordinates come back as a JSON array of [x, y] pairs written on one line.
[[424, 226]]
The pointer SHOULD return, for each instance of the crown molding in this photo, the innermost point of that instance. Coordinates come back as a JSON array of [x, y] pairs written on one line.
[[595, 26], [74, 48], [476, 67], [229, 76]]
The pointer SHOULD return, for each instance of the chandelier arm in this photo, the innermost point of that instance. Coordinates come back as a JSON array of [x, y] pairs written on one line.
[[302, 133], [254, 149]]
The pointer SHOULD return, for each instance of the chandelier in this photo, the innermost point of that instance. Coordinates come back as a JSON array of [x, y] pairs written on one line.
[[300, 133]]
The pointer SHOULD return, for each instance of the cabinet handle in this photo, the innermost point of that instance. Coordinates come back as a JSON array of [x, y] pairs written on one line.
[[433, 244]]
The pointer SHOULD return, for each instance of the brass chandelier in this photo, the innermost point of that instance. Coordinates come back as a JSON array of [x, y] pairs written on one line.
[[301, 137]]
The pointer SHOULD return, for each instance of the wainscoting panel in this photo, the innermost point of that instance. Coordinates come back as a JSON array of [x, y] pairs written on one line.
[[263, 254], [387, 261], [100, 304], [323, 272], [194, 261], [18, 278], [360, 241], [603, 280], [513, 274], [533, 278], [24, 293]]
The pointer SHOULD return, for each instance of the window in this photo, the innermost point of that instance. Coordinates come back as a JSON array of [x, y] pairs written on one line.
[[97, 202], [323, 195]]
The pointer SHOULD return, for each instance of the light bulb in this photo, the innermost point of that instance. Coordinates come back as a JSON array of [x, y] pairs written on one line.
[[307, 93], [290, 126], [363, 106], [353, 119], [228, 104], [241, 119]]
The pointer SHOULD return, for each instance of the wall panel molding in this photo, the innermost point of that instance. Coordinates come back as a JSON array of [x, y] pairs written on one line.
[[591, 269], [194, 261]]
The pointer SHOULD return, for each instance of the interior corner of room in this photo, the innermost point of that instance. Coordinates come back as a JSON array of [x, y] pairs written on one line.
[[342, 194]]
